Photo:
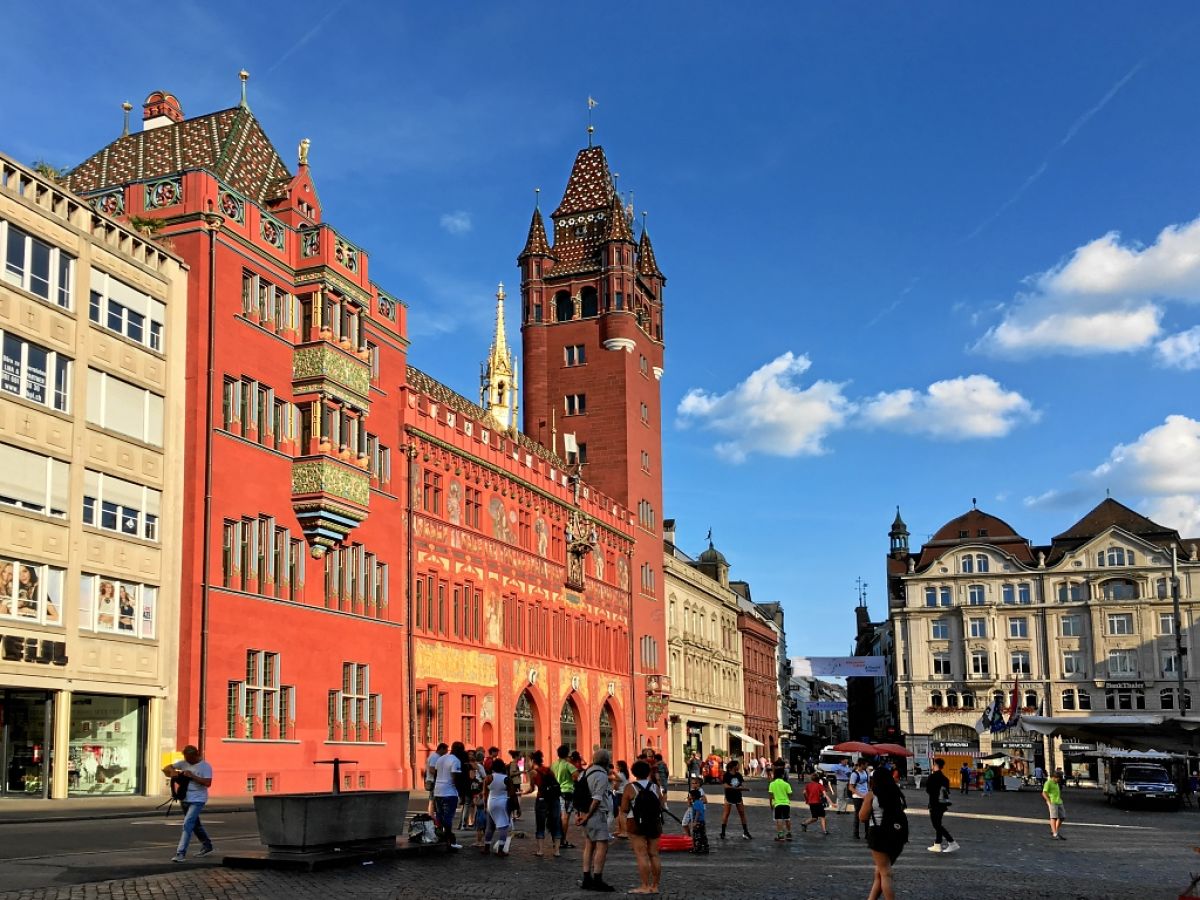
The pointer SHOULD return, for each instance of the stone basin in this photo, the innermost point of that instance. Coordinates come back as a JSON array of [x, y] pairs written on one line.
[[321, 822]]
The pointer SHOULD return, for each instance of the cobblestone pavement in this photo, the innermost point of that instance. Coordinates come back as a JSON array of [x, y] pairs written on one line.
[[1006, 852]]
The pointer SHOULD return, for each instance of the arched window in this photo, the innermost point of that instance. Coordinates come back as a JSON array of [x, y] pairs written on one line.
[[968, 564], [1068, 699], [1085, 700], [589, 303], [1031, 699], [1166, 698], [1115, 556], [564, 307], [981, 563], [568, 721], [976, 594], [935, 698], [968, 701], [606, 728], [1119, 589], [952, 699], [524, 724]]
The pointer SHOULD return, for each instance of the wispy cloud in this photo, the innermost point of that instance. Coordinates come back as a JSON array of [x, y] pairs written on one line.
[[1075, 128], [457, 222], [306, 37], [1180, 351]]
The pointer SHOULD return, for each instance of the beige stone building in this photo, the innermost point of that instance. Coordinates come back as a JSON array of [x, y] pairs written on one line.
[[1081, 626], [92, 319], [706, 710]]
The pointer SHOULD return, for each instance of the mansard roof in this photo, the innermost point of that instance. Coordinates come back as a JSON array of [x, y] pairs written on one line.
[[1109, 514], [976, 527], [230, 144]]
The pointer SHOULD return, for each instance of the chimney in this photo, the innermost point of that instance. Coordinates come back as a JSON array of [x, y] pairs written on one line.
[[161, 109], [669, 531]]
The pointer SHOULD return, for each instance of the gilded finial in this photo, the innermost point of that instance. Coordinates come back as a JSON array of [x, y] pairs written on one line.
[[244, 76], [500, 291], [303, 152], [127, 106]]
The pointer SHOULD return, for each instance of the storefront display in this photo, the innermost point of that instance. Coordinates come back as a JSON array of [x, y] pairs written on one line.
[[106, 745]]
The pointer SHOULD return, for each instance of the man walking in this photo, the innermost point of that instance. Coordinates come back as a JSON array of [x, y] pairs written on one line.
[[938, 788], [859, 784], [594, 821], [1052, 792], [199, 776], [564, 771], [964, 779]]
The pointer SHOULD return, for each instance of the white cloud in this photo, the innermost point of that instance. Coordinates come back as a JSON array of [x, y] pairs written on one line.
[[1178, 511], [1107, 297], [974, 406], [458, 222], [1180, 351], [770, 412], [1165, 461]]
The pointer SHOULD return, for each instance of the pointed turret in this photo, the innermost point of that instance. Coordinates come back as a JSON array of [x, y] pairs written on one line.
[[647, 264], [618, 221], [536, 244], [899, 536], [498, 381]]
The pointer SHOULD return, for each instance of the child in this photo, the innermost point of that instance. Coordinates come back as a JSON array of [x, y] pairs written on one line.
[[696, 807], [695, 783], [781, 804], [816, 795]]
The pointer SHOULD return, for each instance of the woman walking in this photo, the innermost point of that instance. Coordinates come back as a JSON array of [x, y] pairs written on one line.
[[734, 786], [887, 830], [545, 805], [497, 788]]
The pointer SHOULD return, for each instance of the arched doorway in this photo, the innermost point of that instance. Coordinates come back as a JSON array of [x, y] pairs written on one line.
[[958, 745], [568, 721], [606, 728], [524, 724]]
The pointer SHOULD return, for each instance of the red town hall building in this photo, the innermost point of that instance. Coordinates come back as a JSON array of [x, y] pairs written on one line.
[[372, 562]]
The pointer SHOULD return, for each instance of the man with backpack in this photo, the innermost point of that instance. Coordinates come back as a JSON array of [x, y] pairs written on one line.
[[564, 771], [641, 804], [591, 803], [859, 781]]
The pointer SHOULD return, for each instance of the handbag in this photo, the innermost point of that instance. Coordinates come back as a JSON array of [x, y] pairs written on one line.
[[944, 796]]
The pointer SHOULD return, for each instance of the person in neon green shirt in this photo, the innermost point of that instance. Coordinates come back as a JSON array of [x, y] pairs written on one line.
[[1053, 794], [781, 804]]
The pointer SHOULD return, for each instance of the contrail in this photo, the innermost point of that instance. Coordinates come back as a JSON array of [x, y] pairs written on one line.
[[1075, 128], [308, 36]]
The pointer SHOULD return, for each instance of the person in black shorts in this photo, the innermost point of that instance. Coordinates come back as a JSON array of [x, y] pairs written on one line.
[[735, 785]]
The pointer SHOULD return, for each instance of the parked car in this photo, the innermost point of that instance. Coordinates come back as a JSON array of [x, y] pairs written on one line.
[[1127, 782]]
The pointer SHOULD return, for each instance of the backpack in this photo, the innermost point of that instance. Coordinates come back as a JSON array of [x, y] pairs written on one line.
[[551, 789], [581, 796], [179, 786], [647, 812], [422, 830]]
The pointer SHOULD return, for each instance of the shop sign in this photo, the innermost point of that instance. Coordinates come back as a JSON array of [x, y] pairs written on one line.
[[954, 745], [14, 648], [1013, 745], [1124, 685], [1078, 748]]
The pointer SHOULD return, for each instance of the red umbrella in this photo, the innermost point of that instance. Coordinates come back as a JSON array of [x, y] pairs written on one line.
[[893, 750], [854, 747]]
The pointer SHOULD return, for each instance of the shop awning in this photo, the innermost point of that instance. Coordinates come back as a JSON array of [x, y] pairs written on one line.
[[745, 739], [1139, 731]]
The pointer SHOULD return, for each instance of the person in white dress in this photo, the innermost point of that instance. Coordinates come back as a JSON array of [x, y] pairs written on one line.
[[497, 837]]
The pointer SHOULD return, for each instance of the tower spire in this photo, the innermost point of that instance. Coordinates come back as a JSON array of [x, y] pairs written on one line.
[[498, 381]]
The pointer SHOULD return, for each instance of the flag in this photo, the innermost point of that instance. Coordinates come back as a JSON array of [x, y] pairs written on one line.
[[987, 721], [592, 104], [1015, 715]]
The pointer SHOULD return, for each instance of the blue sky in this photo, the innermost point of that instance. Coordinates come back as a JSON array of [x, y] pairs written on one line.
[[916, 253]]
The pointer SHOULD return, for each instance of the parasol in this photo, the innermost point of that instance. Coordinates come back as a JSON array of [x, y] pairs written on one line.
[[855, 747], [893, 750]]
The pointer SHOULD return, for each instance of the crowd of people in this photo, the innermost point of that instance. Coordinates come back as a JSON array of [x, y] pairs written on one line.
[[601, 801]]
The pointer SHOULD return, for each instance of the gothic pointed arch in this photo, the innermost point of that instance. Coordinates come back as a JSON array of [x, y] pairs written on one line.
[[525, 723], [568, 724]]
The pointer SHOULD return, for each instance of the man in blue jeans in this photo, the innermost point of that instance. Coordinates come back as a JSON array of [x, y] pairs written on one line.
[[446, 791], [199, 777]]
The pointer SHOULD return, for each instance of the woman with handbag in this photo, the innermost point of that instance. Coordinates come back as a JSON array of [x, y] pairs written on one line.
[[887, 830]]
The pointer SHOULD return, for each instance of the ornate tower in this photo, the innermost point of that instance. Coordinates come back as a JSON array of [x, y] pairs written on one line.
[[592, 341], [899, 537], [498, 376]]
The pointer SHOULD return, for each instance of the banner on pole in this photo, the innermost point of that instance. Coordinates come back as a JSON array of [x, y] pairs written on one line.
[[839, 666], [827, 706]]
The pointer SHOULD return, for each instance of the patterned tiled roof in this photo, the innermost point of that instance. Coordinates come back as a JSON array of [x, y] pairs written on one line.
[[647, 264], [618, 221], [590, 186], [536, 244], [230, 144]]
